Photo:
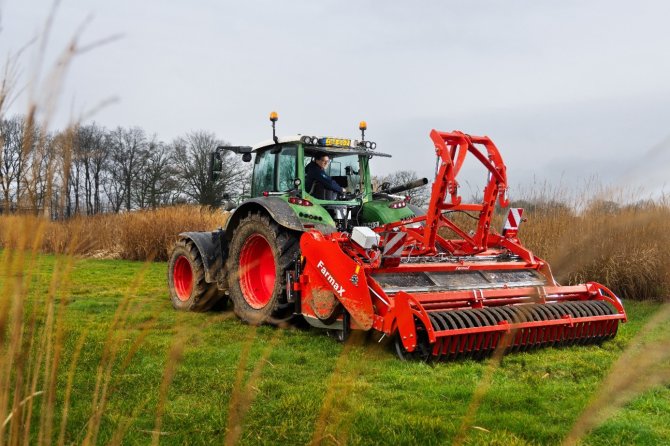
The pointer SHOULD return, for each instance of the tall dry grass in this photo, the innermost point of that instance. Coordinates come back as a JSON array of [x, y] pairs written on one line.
[[626, 248], [142, 235]]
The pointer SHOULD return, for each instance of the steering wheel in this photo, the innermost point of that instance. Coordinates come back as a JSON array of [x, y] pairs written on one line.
[[348, 196]]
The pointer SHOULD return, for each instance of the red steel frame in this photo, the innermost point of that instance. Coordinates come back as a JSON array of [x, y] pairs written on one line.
[[336, 264]]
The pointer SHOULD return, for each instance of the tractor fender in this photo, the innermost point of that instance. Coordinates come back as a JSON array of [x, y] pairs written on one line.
[[213, 249], [279, 210]]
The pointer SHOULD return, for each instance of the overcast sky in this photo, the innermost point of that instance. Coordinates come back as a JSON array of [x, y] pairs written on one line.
[[567, 89]]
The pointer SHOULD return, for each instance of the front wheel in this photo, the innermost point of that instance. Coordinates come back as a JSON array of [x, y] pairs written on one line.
[[186, 280], [260, 254]]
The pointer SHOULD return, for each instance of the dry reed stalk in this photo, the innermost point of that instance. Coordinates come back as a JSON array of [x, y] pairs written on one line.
[[624, 382], [242, 401], [338, 388], [123, 426], [234, 428], [68, 387], [60, 286], [174, 358], [110, 351]]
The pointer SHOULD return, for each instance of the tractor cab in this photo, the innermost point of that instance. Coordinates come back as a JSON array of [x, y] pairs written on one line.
[[279, 171]]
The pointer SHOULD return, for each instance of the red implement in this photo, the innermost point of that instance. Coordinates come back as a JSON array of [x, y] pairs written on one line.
[[452, 297]]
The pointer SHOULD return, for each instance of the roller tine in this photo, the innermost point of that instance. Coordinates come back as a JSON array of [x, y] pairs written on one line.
[[583, 336], [537, 340], [564, 330], [546, 330], [496, 335], [586, 330], [572, 331], [540, 331], [596, 310], [504, 338], [463, 339], [515, 335], [600, 326], [439, 323], [556, 330], [579, 313], [594, 326], [528, 334], [479, 337], [452, 341], [575, 329], [610, 327], [489, 321]]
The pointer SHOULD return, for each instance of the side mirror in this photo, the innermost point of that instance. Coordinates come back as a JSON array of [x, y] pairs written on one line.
[[215, 166], [385, 185], [245, 151]]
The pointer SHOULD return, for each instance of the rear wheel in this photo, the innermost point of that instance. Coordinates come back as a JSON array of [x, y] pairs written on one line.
[[186, 280], [261, 252]]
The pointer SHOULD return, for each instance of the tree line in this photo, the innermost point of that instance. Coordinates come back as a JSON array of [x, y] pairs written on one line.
[[88, 169]]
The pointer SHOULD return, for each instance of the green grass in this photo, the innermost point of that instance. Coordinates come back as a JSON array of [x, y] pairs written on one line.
[[293, 386]]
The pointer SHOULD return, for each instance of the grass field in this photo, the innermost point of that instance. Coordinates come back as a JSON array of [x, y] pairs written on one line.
[[134, 371]]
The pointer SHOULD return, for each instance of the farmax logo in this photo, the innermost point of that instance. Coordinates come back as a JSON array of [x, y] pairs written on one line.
[[331, 280]]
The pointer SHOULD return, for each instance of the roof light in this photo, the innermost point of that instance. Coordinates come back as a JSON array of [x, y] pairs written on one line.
[[306, 139], [363, 125], [373, 145], [274, 116]]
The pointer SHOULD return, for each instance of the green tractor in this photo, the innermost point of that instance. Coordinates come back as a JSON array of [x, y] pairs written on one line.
[[254, 259]]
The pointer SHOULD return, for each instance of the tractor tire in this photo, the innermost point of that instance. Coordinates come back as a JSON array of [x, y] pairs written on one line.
[[260, 254], [186, 280]]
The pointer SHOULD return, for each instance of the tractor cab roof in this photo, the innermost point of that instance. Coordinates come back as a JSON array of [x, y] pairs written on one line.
[[331, 146]]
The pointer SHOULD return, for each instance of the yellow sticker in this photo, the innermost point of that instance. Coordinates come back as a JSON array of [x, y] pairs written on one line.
[[338, 142]]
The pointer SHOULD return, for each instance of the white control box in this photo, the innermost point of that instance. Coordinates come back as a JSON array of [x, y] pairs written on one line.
[[365, 237]]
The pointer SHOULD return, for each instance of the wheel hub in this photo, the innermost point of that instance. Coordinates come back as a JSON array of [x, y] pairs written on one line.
[[183, 278], [257, 271]]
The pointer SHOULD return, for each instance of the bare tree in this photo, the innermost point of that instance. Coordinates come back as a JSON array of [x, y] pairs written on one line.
[[191, 154], [129, 148], [12, 159], [157, 180], [92, 150], [38, 178]]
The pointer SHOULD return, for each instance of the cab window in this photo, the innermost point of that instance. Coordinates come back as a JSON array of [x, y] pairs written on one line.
[[263, 173], [286, 168], [274, 170]]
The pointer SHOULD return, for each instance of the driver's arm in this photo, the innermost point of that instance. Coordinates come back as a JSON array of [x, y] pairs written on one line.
[[329, 183]]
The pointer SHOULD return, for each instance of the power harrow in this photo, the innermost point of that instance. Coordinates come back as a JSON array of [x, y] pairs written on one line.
[[442, 291]]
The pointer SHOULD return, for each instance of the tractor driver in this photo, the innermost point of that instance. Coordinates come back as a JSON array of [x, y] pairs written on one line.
[[317, 181]]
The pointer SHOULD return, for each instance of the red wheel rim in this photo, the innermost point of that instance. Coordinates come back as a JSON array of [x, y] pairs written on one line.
[[182, 276], [257, 271]]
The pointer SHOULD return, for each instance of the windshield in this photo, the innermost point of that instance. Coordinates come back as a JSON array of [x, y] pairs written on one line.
[[345, 170]]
